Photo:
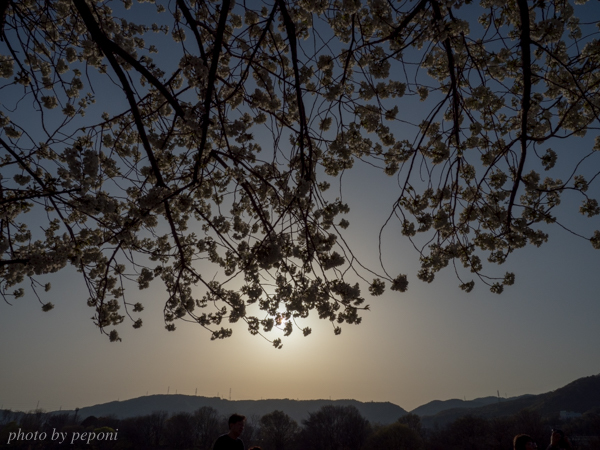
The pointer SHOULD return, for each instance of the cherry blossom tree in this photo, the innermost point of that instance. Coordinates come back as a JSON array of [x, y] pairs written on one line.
[[227, 123]]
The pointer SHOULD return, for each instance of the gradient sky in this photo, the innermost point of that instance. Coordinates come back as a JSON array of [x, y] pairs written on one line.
[[432, 342]]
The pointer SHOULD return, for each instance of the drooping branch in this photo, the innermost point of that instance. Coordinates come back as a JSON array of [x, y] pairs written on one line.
[[210, 85], [244, 75], [6, 262], [109, 47], [452, 71], [304, 134], [193, 24], [3, 10], [525, 44]]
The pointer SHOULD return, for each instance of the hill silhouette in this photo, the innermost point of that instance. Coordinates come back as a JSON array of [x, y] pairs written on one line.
[[374, 412], [578, 396], [436, 406]]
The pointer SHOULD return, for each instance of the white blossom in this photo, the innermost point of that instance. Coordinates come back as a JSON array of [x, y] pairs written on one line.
[[50, 102]]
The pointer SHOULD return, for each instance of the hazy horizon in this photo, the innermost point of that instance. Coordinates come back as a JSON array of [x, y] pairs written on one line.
[[219, 397], [432, 343]]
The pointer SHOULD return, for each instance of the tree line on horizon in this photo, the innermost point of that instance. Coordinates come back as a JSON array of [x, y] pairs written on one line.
[[329, 428]]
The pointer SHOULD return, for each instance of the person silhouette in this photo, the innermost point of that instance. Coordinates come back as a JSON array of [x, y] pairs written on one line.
[[231, 440], [558, 441], [524, 442]]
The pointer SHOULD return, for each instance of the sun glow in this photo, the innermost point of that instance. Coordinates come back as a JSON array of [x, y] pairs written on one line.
[[282, 319]]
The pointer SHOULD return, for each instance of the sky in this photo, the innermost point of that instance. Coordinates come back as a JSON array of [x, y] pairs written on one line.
[[433, 342]]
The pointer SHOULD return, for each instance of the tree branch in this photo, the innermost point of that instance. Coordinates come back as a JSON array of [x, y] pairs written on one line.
[[525, 101]]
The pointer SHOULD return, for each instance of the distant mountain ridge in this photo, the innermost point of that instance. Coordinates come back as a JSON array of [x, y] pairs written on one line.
[[436, 406], [579, 396], [375, 412]]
